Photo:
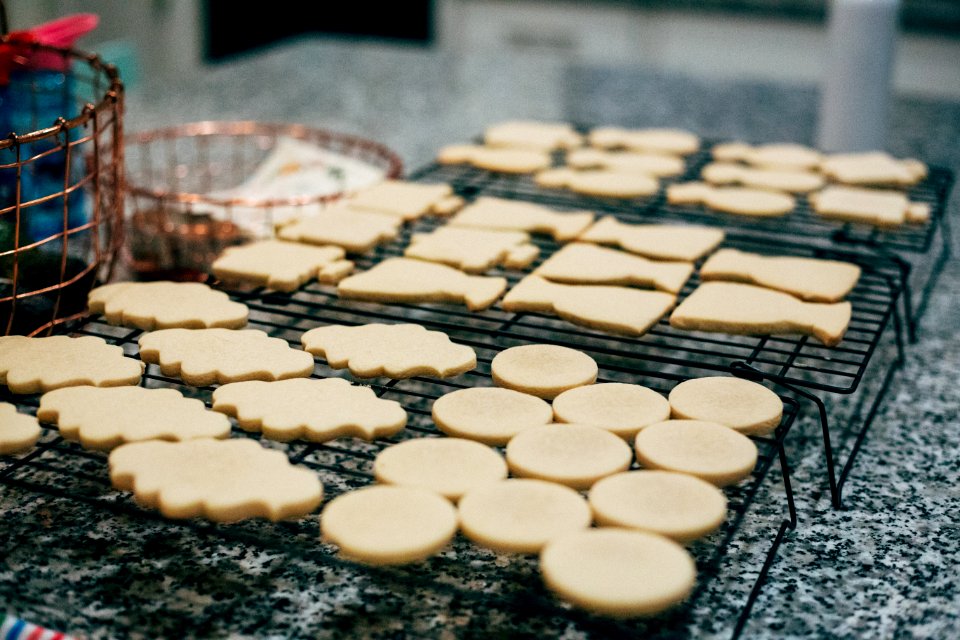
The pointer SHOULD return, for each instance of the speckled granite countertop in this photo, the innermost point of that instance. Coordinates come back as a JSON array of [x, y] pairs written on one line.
[[884, 566]]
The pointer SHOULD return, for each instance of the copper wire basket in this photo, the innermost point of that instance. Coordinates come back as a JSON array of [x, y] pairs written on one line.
[[177, 223], [61, 195]]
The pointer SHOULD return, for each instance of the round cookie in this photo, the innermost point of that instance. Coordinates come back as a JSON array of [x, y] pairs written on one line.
[[576, 455], [448, 466], [746, 406], [675, 505], [620, 408], [521, 515], [490, 415], [708, 450], [389, 525], [618, 572], [543, 370]]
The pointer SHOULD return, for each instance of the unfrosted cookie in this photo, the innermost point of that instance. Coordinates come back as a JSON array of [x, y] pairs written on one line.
[[812, 279], [102, 419], [18, 431], [521, 515], [874, 168], [729, 307], [780, 155], [583, 263], [498, 213], [408, 200], [530, 134], [408, 280], [789, 180], [707, 450], [386, 525], [355, 230], [737, 200], [619, 408], [671, 141], [679, 506], [603, 183], [220, 480], [393, 350], [202, 357], [473, 250], [500, 159], [613, 309], [35, 365], [881, 207], [543, 370], [575, 455], [686, 243], [745, 406], [618, 572], [653, 164], [308, 409], [490, 415], [281, 265], [163, 305], [448, 466]]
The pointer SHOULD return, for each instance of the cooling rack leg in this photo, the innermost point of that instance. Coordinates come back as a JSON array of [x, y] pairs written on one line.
[[761, 578], [936, 270]]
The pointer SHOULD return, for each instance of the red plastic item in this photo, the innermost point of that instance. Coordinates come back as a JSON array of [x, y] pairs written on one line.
[[62, 32]]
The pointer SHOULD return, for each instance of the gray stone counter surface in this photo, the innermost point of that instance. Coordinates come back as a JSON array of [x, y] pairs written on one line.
[[885, 566]]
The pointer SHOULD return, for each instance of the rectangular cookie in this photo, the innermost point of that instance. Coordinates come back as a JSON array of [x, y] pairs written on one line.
[[880, 207]]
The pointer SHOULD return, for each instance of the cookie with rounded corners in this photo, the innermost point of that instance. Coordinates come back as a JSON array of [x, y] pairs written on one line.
[[602, 183], [532, 134], [676, 142], [880, 207], [104, 418], [408, 200], [873, 168], [497, 159], [742, 405], [309, 409], [219, 480], [777, 179], [685, 243], [165, 305], [473, 250], [586, 263], [490, 415], [653, 164], [355, 230], [393, 350], [35, 365], [707, 450], [783, 155], [498, 213], [543, 370], [623, 409], [742, 201], [281, 265], [18, 431]]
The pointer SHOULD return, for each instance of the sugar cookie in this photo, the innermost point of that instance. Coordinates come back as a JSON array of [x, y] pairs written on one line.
[[521, 515], [789, 180], [408, 280], [202, 357], [613, 309], [686, 243], [812, 279], [874, 168], [543, 370], [308, 409], [102, 418], [18, 431], [164, 305], [618, 572], [619, 408], [729, 307], [679, 506], [355, 230], [281, 265], [576, 455], [500, 159], [498, 213], [745, 406], [653, 164], [779, 155], [221, 480], [490, 415], [408, 200], [881, 207], [528, 134], [737, 200], [448, 466], [394, 350], [671, 141], [582, 263], [602, 183], [386, 525], [35, 365], [473, 250], [707, 450]]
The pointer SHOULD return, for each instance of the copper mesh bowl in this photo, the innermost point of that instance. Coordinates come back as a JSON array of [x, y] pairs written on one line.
[[175, 227]]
